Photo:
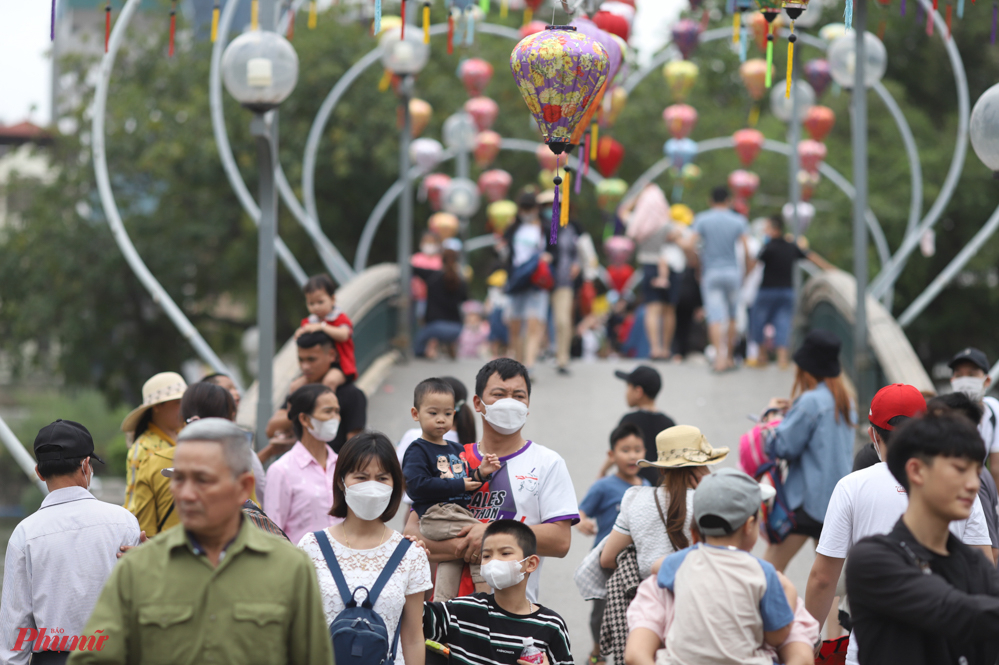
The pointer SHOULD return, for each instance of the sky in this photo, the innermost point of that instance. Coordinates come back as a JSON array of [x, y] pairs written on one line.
[[25, 71]]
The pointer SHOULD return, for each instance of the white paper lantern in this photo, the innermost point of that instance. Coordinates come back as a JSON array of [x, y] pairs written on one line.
[[842, 58], [782, 106]]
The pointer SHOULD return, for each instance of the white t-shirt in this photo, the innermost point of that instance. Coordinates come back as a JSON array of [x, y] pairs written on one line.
[[868, 503], [527, 241], [989, 431], [532, 486], [362, 568], [639, 518], [409, 437]]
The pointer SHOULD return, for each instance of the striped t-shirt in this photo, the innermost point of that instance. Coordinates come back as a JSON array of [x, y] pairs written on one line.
[[480, 632]]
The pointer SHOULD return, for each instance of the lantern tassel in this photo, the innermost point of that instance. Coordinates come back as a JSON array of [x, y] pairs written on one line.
[[579, 183], [426, 22], [754, 115], [52, 22], [254, 14], [528, 15], [929, 24], [173, 27], [770, 59], [948, 19], [743, 42], [215, 22], [556, 212], [790, 62], [378, 16], [469, 27], [107, 25], [586, 152], [563, 217], [313, 15], [484, 6], [291, 22], [960, 8], [901, 8], [386, 81], [450, 33], [594, 142], [848, 14], [995, 15], [504, 8], [936, 5], [736, 22], [402, 14]]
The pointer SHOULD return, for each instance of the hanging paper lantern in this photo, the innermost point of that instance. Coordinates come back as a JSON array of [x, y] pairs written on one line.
[[532, 6], [818, 76], [681, 214], [444, 224], [531, 28], [748, 144], [495, 184], [984, 134], [832, 31], [619, 249], [615, 53], [610, 153], [475, 74], [686, 35], [680, 152], [420, 113], [426, 153], [483, 111], [487, 146], [614, 103], [547, 160], [842, 57], [811, 154], [754, 77], [689, 174], [783, 107], [680, 120], [613, 23], [761, 26], [461, 198], [819, 121], [808, 181], [681, 75], [610, 191], [501, 214], [743, 184], [433, 188]]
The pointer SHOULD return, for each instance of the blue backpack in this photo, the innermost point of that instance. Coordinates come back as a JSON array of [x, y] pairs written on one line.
[[358, 634], [778, 519]]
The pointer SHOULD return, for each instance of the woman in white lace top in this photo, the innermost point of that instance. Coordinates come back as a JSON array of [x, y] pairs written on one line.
[[367, 489]]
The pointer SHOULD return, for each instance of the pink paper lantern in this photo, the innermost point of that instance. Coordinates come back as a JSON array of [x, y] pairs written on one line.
[[680, 120], [748, 144], [495, 184], [433, 188], [743, 184], [483, 111], [487, 146], [475, 74], [811, 154]]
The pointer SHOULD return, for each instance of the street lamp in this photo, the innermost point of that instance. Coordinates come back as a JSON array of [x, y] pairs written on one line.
[[260, 69], [842, 59], [984, 129], [405, 57]]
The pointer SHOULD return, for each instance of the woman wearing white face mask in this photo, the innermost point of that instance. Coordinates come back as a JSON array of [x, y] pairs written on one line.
[[367, 490], [300, 484]]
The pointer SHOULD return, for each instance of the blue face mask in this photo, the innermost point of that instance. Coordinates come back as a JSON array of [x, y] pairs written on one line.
[[545, 214]]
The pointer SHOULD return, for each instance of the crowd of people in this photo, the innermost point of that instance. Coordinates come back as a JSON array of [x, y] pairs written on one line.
[[285, 555], [709, 272]]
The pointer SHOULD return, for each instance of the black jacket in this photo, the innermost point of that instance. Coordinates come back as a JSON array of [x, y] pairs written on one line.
[[912, 606]]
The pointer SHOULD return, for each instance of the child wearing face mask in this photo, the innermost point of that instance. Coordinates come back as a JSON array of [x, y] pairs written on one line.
[[438, 481], [493, 629]]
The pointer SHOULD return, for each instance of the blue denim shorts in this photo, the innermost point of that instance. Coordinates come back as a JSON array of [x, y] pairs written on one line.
[[720, 291], [529, 304]]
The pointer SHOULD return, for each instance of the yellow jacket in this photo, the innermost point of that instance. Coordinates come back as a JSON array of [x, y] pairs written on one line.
[[151, 440]]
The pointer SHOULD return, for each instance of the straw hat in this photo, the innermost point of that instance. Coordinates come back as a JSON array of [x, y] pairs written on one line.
[[162, 387], [682, 446]]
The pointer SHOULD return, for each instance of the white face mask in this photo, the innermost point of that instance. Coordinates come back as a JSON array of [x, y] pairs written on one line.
[[430, 249], [502, 574], [324, 430], [506, 415], [972, 386], [369, 499]]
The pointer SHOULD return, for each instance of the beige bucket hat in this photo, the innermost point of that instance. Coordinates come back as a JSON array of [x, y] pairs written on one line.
[[162, 387], [684, 445]]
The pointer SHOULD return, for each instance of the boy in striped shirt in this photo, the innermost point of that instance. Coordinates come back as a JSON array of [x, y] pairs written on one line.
[[493, 629]]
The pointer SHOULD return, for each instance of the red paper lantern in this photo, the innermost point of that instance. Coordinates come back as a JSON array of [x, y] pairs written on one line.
[[748, 143], [495, 184], [610, 154], [680, 120], [433, 188], [613, 23], [819, 121], [483, 111], [487, 146], [743, 184], [811, 154], [475, 74]]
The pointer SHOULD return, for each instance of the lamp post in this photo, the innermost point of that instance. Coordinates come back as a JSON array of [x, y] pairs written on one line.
[[260, 69], [405, 57], [459, 134]]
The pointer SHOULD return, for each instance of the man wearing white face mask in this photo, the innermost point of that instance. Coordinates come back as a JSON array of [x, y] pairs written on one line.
[[532, 485], [300, 483], [970, 375], [59, 558]]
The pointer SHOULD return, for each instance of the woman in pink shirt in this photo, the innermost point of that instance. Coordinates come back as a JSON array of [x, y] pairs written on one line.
[[300, 484]]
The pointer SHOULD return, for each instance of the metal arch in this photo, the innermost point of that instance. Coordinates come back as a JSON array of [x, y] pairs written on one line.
[[327, 252], [156, 290], [720, 143], [333, 98], [393, 192], [890, 273]]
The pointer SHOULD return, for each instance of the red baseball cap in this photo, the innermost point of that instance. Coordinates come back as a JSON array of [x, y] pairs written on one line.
[[898, 399]]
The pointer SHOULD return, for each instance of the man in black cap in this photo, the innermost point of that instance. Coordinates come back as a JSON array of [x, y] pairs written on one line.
[[59, 558], [970, 375], [643, 384]]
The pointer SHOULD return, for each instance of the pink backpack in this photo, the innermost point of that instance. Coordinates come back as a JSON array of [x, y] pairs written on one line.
[[751, 454]]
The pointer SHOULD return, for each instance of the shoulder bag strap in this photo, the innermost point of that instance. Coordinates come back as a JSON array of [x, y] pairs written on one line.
[[159, 527], [383, 578], [334, 566]]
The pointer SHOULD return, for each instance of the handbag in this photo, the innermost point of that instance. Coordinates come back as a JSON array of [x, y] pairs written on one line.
[[542, 277], [521, 277], [590, 577], [621, 589], [833, 652], [777, 517]]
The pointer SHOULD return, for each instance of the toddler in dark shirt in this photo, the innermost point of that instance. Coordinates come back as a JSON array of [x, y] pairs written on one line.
[[438, 482]]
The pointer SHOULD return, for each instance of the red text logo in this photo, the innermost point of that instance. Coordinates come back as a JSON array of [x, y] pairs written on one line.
[[30, 639]]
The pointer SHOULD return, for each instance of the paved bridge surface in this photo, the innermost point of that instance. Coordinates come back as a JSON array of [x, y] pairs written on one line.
[[574, 416]]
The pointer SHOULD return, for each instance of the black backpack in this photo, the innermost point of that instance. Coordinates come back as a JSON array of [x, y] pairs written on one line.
[[358, 633]]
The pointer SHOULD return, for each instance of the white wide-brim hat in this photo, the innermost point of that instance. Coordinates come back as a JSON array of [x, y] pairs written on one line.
[[160, 388]]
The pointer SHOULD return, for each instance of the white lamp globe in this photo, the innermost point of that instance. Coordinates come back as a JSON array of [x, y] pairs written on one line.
[[404, 56], [782, 107], [461, 198], [842, 58], [459, 132], [984, 129], [260, 69]]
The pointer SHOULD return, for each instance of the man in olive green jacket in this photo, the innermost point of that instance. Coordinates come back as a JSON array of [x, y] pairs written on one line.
[[214, 589]]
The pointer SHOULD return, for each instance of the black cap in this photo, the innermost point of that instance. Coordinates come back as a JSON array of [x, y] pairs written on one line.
[[66, 440], [644, 377], [527, 200], [973, 356], [819, 354]]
